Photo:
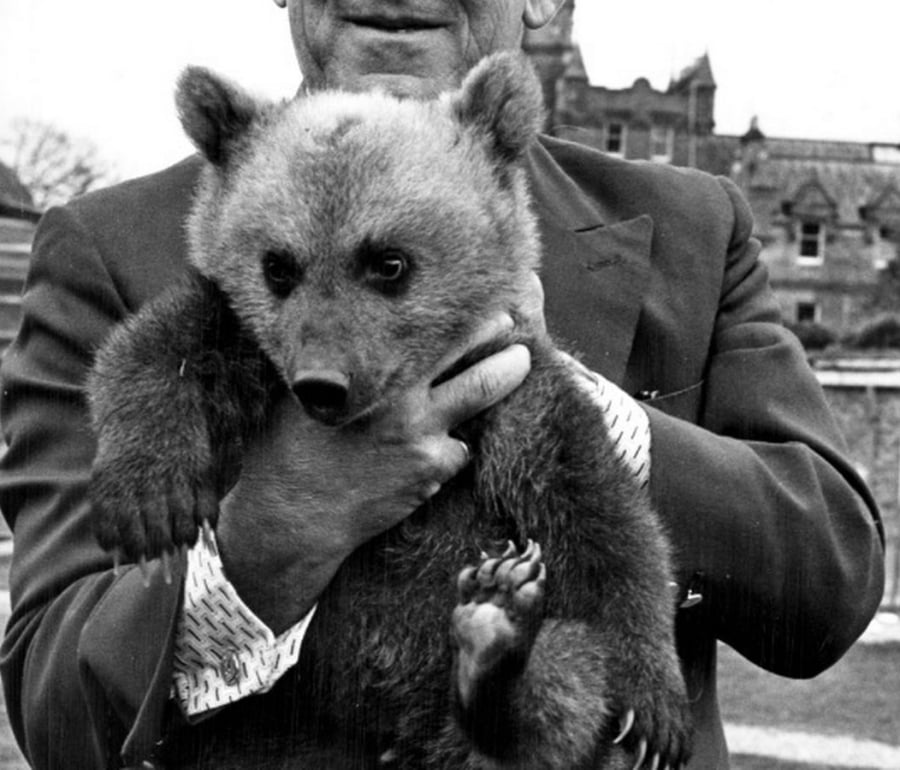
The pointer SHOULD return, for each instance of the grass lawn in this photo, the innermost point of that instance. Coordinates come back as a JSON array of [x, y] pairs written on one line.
[[742, 762], [858, 697]]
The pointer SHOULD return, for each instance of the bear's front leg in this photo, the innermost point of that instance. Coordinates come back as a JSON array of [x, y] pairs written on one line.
[[152, 391]]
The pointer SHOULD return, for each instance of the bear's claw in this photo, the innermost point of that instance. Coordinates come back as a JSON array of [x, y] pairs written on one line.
[[143, 512], [626, 725], [661, 738]]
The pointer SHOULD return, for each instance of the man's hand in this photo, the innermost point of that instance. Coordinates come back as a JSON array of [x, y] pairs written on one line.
[[310, 494], [530, 308]]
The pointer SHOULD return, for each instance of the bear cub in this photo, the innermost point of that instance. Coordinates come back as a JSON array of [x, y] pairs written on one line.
[[340, 244]]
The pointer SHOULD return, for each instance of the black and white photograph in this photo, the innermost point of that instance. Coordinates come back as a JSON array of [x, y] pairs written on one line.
[[449, 385]]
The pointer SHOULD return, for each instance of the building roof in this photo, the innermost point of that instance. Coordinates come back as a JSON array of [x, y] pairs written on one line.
[[15, 200], [854, 182], [818, 150], [699, 73], [575, 69], [845, 174], [717, 153], [754, 133]]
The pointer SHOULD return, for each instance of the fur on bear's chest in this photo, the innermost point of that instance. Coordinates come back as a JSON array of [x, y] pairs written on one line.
[[388, 608], [381, 632]]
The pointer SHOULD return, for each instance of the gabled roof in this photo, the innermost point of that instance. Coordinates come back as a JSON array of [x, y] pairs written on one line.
[[847, 182], [884, 208], [699, 73], [575, 69], [813, 199], [848, 185]]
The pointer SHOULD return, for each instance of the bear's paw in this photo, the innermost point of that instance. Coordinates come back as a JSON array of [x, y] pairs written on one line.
[[145, 506], [654, 721], [499, 613]]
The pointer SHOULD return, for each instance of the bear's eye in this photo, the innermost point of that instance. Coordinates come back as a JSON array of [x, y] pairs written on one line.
[[281, 271], [390, 266], [386, 270]]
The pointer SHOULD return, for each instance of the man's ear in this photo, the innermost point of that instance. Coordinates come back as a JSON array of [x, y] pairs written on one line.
[[502, 99], [539, 12], [216, 114]]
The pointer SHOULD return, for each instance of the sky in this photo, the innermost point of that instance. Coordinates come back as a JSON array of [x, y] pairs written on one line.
[[104, 70]]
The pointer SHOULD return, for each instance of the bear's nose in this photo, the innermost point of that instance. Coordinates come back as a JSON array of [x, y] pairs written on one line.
[[323, 394]]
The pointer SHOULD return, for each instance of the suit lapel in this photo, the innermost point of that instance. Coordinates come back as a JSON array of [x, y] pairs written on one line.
[[595, 268]]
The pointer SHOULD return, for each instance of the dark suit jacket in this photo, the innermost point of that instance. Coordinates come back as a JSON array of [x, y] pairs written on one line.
[[650, 273]]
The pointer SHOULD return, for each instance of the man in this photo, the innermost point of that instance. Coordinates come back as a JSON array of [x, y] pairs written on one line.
[[649, 271]]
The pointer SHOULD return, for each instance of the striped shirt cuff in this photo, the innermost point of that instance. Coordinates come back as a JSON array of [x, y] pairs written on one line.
[[223, 652], [627, 423]]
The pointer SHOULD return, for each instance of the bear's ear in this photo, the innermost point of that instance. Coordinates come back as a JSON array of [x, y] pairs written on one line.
[[502, 98], [216, 114]]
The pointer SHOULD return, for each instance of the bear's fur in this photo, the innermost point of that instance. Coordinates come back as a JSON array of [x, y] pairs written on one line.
[[340, 244]]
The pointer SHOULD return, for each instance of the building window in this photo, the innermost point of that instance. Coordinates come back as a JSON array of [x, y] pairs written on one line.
[[662, 138], [615, 138], [807, 312], [812, 242]]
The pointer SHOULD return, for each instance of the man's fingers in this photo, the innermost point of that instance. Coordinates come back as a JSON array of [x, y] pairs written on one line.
[[445, 457], [466, 451], [492, 328], [481, 385], [530, 307]]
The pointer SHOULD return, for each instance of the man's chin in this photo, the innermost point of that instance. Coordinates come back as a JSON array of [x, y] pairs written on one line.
[[403, 86], [423, 79]]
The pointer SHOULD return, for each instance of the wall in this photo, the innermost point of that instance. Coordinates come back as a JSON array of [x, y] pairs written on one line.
[[15, 249], [842, 284], [869, 418]]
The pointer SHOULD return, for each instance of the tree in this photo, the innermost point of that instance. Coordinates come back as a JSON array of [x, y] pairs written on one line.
[[879, 333], [52, 164], [886, 295], [812, 335]]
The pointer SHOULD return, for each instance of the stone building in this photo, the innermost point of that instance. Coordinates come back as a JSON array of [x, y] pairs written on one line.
[[827, 213], [638, 122], [18, 218]]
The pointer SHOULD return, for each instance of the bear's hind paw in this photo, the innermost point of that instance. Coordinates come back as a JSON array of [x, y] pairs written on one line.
[[658, 740]]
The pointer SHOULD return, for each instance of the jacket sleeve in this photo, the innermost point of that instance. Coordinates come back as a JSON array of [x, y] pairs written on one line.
[[86, 656], [768, 518]]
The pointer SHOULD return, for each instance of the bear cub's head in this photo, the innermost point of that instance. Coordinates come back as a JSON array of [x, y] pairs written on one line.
[[359, 236]]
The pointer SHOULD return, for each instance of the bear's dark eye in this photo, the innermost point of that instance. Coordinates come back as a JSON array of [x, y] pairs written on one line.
[[390, 266], [281, 271], [385, 269]]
